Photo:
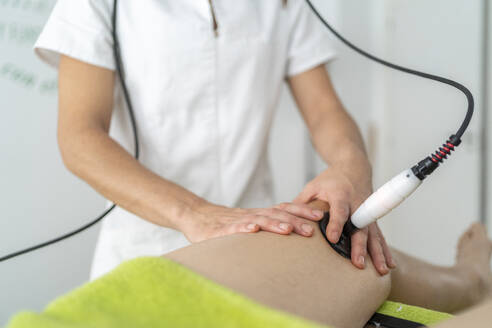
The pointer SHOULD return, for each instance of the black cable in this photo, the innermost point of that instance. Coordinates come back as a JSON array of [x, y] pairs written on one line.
[[121, 75], [119, 69], [55, 240], [426, 166], [455, 84]]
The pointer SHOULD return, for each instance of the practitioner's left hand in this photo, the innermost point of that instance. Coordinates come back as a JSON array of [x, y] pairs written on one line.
[[344, 195]]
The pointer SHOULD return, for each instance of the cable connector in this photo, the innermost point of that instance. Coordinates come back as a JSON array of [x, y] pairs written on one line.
[[426, 166]]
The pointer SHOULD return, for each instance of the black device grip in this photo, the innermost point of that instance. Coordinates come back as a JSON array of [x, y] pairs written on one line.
[[344, 244]]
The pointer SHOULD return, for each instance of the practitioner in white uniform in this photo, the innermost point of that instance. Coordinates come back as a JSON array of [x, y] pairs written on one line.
[[205, 78]]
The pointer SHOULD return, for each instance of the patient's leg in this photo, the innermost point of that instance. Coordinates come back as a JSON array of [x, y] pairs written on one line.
[[304, 276], [447, 289], [477, 317], [299, 275]]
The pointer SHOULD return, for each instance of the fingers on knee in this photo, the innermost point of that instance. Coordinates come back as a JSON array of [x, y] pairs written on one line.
[[247, 227], [338, 216], [302, 227], [359, 243], [273, 225], [359, 249], [377, 256], [300, 210], [299, 226]]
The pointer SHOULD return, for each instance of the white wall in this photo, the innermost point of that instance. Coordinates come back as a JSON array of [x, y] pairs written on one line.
[[39, 198], [404, 118], [352, 77], [442, 37], [292, 157], [488, 124]]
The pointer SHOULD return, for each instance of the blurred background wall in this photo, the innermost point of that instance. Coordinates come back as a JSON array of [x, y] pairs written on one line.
[[39, 198], [402, 118]]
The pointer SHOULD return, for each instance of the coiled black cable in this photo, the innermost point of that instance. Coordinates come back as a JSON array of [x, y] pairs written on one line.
[[443, 152], [126, 94]]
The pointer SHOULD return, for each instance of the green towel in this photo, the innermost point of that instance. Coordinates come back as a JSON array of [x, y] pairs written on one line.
[[413, 313], [156, 292]]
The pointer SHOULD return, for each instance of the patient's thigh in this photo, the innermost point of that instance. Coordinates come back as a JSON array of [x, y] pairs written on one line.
[[300, 275]]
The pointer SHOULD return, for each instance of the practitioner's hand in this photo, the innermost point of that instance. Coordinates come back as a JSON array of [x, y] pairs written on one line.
[[379, 249], [344, 194], [209, 221]]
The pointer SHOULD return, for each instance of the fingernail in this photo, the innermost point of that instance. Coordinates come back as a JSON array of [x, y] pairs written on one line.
[[307, 228], [284, 226], [384, 267], [334, 236], [362, 260], [251, 226], [392, 263], [318, 214]]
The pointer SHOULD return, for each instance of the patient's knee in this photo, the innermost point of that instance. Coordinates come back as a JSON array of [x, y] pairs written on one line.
[[380, 286]]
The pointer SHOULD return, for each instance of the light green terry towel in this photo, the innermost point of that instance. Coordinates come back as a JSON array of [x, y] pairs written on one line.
[[156, 292], [413, 313]]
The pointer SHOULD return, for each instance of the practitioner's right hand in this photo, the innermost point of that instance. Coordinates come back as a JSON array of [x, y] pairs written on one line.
[[209, 221]]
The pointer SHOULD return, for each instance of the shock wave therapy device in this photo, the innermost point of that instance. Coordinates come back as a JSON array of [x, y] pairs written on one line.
[[381, 202], [387, 197], [393, 192]]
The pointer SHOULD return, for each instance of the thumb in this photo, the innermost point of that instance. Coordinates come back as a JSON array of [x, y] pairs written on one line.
[[305, 196]]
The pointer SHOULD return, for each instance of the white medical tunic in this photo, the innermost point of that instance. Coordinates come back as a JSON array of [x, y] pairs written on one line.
[[204, 98]]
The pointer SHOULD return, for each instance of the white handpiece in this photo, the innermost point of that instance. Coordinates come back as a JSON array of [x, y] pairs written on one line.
[[386, 198]]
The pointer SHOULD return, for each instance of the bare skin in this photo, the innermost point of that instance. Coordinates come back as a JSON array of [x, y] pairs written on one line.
[[85, 105], [85, 109], [302, 276], [477, 317], [347, 181], [306, 277], [470, 278], [291, 273]]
